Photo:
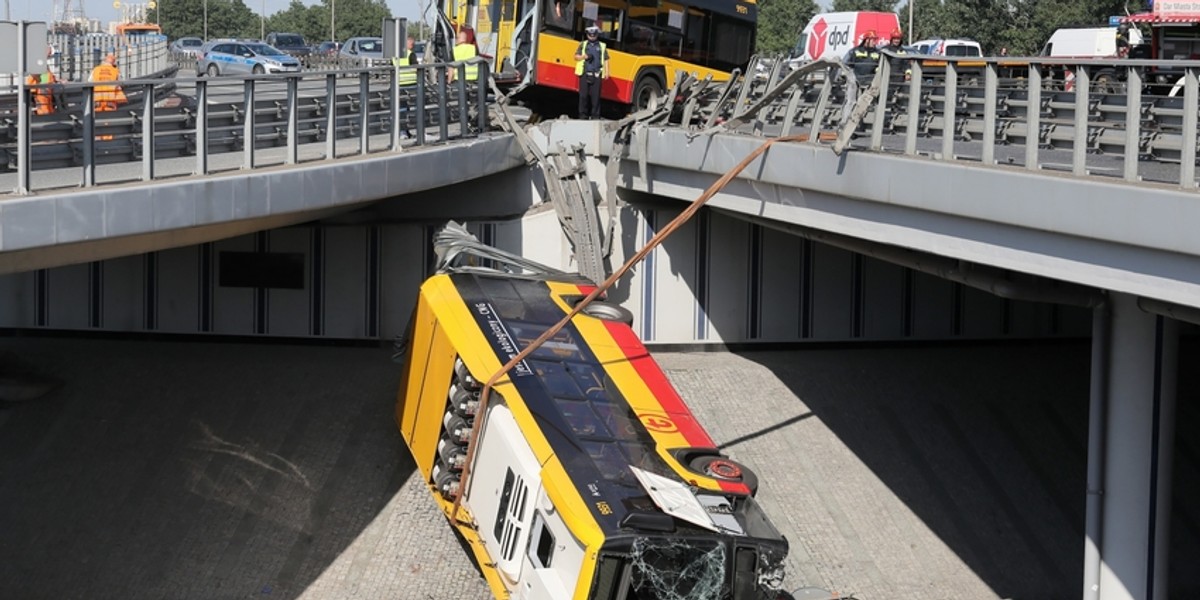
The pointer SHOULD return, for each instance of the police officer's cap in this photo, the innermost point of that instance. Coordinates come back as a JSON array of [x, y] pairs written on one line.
[[593, 29]]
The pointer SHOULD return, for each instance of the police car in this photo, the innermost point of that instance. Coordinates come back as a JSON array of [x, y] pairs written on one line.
[[241, 57]]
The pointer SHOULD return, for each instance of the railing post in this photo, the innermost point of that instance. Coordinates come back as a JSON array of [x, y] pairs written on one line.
[[990, 85], [443, 118], [914, 109], [1133, 121], [814, 131], [201, 127], [481, 101], [884, 76], [394, 80], [1187, 145], [331, 116], [148, 133], [89, 137], [364, 112], [949, 108], [460, 86], [1079, 140], [293, 120], [1033, 117], [24, 143], [419, 125], [248, 124]]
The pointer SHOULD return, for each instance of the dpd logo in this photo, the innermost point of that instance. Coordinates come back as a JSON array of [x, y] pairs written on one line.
[[816, 42], [839, 38]]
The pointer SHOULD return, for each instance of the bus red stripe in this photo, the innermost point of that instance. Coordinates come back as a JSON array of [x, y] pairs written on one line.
[[663, 391], [563, 77]]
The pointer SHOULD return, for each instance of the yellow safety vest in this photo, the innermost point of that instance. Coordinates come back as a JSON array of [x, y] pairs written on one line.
[[603, 58], [405, 76], [464, 52]]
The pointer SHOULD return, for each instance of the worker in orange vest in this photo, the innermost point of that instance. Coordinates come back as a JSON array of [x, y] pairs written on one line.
[[43, 96], [107, 97]]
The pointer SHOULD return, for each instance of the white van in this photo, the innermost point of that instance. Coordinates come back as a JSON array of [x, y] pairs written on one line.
[[1090, 42], [953, 47], [834, 34]]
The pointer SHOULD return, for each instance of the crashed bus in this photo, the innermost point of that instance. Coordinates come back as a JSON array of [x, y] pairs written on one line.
[[584, 475]]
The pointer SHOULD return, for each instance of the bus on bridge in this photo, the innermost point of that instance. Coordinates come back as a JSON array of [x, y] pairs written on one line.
[[531, 44]]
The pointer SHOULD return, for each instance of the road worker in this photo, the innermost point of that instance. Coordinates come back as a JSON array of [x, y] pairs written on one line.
[[406, 80], [48, 89], [107, 97]]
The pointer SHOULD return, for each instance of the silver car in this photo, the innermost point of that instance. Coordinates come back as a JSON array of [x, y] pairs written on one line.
[[244, 58], [187, 46], [365, 51]]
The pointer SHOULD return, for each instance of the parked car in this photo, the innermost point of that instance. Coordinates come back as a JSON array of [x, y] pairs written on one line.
[[292, 43], [952, 47], [244, 57], [187, 46], [367, 50], [327, 49]]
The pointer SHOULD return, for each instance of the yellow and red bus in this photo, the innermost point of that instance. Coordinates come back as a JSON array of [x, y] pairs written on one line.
[[589, 477], [531, 43]]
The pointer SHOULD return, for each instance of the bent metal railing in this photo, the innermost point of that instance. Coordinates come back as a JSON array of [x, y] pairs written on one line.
[[1130, 119], [197, 126]]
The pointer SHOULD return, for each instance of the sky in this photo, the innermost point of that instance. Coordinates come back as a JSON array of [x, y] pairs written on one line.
[[102, 10]]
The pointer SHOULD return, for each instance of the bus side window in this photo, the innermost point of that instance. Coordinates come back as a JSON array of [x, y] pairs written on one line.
[[560, 14]]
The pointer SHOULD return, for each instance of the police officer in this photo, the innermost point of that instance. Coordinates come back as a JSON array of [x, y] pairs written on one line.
[[864, 58], [591, 66]]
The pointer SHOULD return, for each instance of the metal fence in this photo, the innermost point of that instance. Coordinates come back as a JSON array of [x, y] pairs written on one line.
[[1129, 119], [197, 126], [138, 57]]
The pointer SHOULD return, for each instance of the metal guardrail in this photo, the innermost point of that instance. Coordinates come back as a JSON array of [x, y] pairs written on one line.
[[940, 106], [243, 114]]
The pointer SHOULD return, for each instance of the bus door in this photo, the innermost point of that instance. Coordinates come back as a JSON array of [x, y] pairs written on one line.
[[523, 43]]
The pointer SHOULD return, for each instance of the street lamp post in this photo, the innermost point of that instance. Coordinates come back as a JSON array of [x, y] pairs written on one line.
[[910, 21], [262, 22], [333, 21], [206, 20]]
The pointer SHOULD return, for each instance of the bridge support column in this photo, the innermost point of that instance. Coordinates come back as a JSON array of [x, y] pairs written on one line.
[[1129, 453]]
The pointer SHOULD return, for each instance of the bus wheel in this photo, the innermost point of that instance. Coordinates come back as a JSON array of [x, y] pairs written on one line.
[[724, 469], [608, 312], [646, 91], [1107, 83]]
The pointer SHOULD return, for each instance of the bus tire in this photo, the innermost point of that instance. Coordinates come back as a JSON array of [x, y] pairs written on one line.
[[724, 469], [606, 311], [646, 90]]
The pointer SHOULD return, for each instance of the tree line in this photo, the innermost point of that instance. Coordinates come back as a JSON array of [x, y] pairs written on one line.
[[1021, 26], [234, 19]]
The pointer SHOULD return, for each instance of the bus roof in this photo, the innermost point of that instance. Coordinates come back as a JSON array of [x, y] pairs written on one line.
[[592, 411]]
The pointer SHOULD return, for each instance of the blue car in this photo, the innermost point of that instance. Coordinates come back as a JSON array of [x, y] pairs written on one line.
[[244, 58]]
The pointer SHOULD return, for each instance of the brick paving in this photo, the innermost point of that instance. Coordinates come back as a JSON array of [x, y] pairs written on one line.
[[165, 469]]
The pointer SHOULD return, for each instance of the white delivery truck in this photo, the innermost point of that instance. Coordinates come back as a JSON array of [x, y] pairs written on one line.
[[1088, 42], [834, 34]]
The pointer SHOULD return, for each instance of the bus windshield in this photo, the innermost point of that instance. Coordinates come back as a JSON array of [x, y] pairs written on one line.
[[696, 569]]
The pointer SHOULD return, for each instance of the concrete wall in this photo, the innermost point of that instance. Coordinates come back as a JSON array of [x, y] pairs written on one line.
[[718, 279]]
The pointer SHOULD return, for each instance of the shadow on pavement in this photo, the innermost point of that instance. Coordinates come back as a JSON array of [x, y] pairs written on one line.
[[196, 470], [987, 445]]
